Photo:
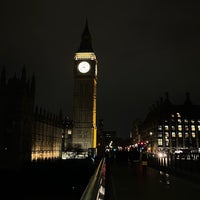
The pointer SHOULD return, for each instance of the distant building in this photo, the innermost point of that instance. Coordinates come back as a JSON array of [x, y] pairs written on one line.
[[26, 134], [16, 116], [170, 127], [135, 131]]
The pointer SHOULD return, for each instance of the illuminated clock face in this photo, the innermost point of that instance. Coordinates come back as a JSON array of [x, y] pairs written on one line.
[[83, 67]]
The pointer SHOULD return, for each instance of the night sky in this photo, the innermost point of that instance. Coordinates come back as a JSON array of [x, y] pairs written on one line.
[[144, 49]]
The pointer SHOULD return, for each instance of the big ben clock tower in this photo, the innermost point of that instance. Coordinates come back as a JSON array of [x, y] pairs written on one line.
[[84, 103]]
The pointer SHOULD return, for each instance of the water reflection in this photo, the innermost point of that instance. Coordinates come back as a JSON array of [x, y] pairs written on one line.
[[165, 179]]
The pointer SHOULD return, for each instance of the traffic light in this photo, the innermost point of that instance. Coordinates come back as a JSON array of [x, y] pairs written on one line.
[[141, 145]]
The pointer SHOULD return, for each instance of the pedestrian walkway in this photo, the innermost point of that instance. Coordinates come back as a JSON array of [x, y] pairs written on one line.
[[127, 182]]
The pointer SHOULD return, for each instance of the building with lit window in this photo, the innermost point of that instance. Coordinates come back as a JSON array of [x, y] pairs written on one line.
[[47, 135], [170, 127], [27, 134]]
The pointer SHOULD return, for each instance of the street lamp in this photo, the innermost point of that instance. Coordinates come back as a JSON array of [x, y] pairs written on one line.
[[150, 141]]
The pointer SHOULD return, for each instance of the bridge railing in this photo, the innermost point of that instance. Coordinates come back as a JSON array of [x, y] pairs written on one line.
[[95, 189]]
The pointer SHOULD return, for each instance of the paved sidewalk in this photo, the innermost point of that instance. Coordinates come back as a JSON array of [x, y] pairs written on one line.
[[128, 183]]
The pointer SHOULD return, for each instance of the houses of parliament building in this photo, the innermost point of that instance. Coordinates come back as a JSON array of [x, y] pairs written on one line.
[[27, 133]]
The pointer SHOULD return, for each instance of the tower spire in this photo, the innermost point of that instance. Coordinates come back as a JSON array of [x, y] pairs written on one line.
[[86, 40]]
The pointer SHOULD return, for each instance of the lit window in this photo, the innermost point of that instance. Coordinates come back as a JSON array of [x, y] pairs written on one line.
[[193, 134], [159, 134], [192, 121], [173, 128], [172, 115], [160, 127], [186, 135], [173, 134], [193, 127], [186, 128], [166, 127], [166, 134], [178, 114], [198, 127], [186, 120], [180, 127], [198, 121], [160, 142], [180, 135], [179, 121]]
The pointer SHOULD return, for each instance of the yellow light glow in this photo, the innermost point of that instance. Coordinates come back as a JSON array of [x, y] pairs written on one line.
[[85, 55], [69, 132], [95, 138]]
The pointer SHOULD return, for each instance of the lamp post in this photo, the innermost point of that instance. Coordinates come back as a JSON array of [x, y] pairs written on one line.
[[150, 140]]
